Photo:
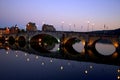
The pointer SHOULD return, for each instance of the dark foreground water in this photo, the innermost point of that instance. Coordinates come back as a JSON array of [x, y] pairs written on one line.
[[18, 65]]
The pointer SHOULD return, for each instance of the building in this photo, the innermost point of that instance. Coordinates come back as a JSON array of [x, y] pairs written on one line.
[[4, 31], [47, 27], [31, 27], [14, 29]]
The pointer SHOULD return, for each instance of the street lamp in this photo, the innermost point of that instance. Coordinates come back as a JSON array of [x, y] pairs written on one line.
[[75, 27], [88, 25], [43, 22], [62, 25], [92, 26], [69, 27]]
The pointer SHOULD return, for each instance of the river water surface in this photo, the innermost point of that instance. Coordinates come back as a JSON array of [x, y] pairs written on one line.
[[19, 65]]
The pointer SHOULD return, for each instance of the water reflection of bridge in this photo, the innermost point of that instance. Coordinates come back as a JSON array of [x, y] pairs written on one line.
[[38, 43], [87, 55]]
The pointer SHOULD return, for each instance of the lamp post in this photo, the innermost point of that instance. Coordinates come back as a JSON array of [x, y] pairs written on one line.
[[43, 22], [75, 27], [104, 28], [62, 24], [69, 27], [92, 26], [88, 25]]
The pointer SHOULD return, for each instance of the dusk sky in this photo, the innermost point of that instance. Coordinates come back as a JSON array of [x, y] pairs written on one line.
[[74, 13]]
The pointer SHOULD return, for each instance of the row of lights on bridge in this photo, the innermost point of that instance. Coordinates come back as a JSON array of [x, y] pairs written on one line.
[[88, 26]]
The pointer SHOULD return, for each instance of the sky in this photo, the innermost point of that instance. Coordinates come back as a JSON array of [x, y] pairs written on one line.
[[72, 15]]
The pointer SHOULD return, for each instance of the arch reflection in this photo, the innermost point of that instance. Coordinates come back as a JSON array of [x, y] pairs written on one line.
[[11, 40], [21, 41], [87, 55], [101, 45], [69, 45], [2, 39], [43, 43]]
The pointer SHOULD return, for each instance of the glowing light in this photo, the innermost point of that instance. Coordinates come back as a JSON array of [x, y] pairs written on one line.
[[39, 39], [58, 49], [51, 60], [70, 27], [83, 42], [61, 67], [39, 43], [16, 55], [7, 48], [88, 25], [63, 22], [43, 22], [118, 70], [28, 24], [115, 55], [6, 42], [118, 77], [45, 44], [88, 22], [25, 54], [86, 71], [7, 52], [90, 42], [6, 39], [91, 67], [36, 57], [28, 59], [43, 64], [83, 50], [116, 44], [58, 40]]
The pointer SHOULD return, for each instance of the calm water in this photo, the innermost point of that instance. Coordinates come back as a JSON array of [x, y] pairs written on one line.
[[18, 65]]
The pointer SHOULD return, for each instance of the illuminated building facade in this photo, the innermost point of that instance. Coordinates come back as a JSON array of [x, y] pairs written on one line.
[[4, 30], [47, 27], [31, 27]]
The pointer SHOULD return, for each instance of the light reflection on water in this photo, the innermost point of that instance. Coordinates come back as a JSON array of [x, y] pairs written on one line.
[[104, 49], [18, 65]]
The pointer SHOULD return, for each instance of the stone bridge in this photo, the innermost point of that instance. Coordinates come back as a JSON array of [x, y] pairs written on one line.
[[66, 38]]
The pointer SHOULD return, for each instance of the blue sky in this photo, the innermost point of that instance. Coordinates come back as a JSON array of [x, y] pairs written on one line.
[[74, 13]]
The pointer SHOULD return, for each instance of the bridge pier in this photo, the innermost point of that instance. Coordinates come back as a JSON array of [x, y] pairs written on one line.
[[92, 41], [62, 43]]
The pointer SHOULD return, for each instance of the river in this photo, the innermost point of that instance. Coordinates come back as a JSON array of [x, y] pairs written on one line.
[[19, 65]]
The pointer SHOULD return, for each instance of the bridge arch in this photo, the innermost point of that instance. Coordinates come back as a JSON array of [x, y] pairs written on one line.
[[45, 33], [2, 39], [21, 41], [11, 40], [94, 53], [70, 41], [45, 42], [109, 40], [92, 41]]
